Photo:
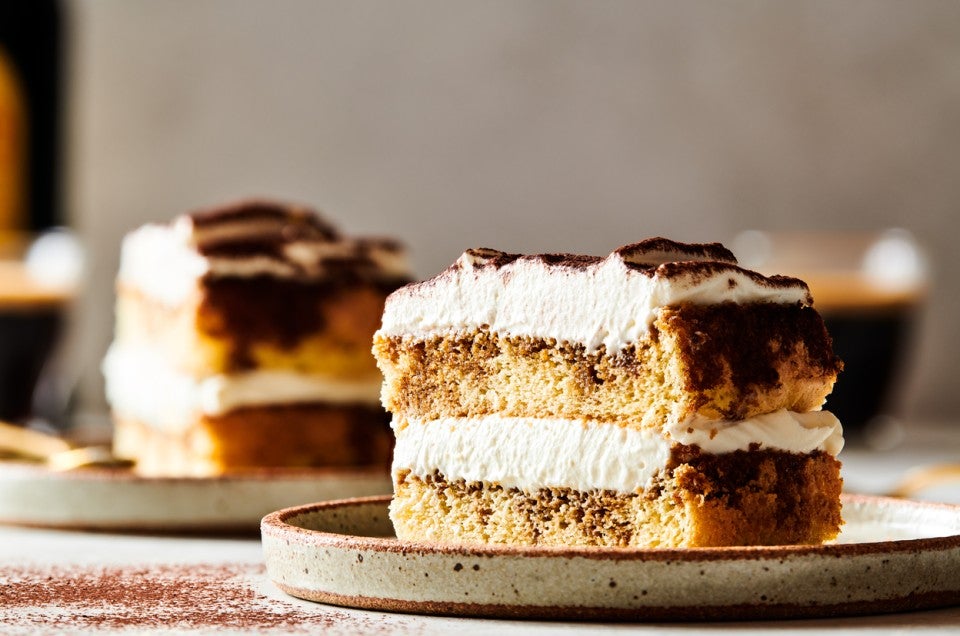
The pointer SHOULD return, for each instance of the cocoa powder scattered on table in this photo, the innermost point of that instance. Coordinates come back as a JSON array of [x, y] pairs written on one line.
[[151, 597]]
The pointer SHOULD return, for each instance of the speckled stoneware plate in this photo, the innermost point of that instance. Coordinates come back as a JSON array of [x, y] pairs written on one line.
[[118, 499], [893, 555]]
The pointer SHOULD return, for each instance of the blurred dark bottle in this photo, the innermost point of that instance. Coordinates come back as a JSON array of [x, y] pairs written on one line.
[[32, 309], [31, 85]]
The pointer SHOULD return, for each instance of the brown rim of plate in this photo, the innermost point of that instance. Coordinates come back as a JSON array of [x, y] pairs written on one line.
[[277, 524], [680, 613]]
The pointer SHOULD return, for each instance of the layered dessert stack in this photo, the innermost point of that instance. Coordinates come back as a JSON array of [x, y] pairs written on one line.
[[243, 341], [661, 396]]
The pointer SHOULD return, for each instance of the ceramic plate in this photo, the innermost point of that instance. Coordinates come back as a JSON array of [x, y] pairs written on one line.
[[893, 555], [118, 499]]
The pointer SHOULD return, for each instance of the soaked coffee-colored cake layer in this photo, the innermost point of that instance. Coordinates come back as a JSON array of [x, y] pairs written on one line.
[[724, 361], [291, 436], [701, 500], [222, 329]]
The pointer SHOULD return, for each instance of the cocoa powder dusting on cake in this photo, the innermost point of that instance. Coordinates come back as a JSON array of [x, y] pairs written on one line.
[[483, 257], [639, 252], [571, 261], [303, 221], [152, 597]]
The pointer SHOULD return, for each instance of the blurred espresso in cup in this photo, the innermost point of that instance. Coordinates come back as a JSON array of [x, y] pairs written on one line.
[[38, 281], [869, 288]]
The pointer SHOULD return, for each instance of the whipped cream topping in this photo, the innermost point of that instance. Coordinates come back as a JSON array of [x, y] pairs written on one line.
[[167, 262], [581, 299], [141, 383], [533, 453]]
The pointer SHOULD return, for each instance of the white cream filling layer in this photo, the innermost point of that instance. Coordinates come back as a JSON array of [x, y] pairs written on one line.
[[781, 430], [140, 383], [607, 303], [532, 453]]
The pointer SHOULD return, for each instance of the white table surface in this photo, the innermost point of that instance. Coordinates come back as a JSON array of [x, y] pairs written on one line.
[[60, 582]]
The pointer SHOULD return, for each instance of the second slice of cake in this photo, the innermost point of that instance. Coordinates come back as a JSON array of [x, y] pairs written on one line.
[[243, 341], [661, 396]]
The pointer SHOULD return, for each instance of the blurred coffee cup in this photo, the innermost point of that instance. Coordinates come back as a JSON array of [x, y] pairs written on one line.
[[868, 286], [39, 278]]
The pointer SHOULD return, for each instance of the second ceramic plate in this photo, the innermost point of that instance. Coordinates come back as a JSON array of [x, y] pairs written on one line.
[[118, 499], [893, 555]]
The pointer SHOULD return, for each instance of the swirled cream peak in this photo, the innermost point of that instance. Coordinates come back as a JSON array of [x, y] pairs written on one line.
[[247, 239], [590, 300]]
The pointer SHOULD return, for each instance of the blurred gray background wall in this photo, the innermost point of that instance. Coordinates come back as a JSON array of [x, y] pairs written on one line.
[[526, 125]]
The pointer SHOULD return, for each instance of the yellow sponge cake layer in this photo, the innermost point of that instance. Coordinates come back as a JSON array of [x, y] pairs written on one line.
[[302, 435], [744, 498], [202, 337], [726, 362]]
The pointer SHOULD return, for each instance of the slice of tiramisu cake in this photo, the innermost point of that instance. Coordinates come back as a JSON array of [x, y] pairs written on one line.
[[661, 396], [243, 341]]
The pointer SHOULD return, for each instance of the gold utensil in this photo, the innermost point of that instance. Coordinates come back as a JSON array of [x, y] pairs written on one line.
[[58, 454], [29, 443]]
